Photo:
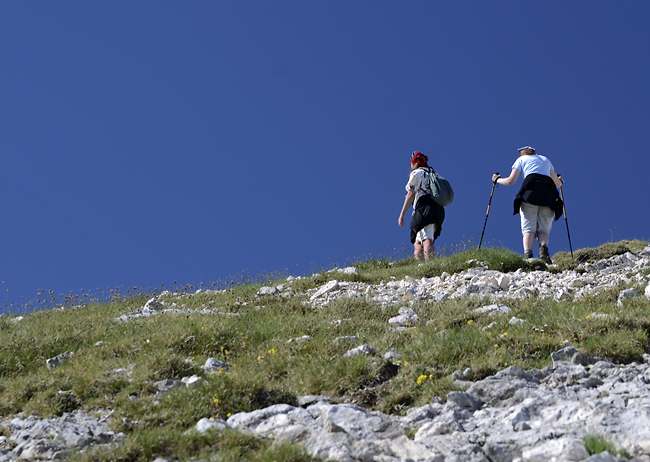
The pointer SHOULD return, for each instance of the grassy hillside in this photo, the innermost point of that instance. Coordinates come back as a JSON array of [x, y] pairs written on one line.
[[115, 365]]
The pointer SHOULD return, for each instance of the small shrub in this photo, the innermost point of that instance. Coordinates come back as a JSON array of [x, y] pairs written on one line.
[[64, 401]]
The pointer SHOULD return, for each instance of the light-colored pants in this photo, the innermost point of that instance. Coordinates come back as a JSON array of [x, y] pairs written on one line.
[[536, 218], [425, 233]]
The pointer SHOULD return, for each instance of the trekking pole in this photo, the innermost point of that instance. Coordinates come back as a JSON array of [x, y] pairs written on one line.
[[567, 222], [494, 183]]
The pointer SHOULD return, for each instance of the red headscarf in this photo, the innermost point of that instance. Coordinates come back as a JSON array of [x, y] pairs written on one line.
[[420, 158]]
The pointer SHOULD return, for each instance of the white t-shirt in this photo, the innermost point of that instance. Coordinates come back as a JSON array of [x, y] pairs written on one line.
[[533, 164], [418, 182]]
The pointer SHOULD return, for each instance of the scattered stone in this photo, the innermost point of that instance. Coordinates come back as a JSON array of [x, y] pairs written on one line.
[[213, 365], [492, 309], [462, 375], [58, 360], [330, 286], [153, 305], [209, 425], [302, 339], [391, 355], [360, 350], [124, 370], [503, 281], [626, 295], [267, 291], [163, 386], [191, 381], [407, 318]]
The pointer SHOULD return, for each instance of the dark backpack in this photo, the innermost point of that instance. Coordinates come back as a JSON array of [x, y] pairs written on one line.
[[441, 191]]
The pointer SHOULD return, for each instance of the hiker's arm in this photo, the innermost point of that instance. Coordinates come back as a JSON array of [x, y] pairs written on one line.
[[557, 179], [408, 201], [507, 181]]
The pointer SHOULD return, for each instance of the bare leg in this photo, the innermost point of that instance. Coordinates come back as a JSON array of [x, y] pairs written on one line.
[[529, 241], [429, 249], [418, 250], [542, 238]]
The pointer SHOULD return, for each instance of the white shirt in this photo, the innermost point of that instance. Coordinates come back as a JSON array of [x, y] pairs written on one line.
[[418, 182], [533, 164]]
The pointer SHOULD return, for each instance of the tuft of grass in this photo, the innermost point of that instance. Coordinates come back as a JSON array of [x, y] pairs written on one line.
[[608, 250], [595, 444]]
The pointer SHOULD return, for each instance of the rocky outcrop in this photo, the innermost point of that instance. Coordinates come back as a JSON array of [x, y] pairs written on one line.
[[479, 281], [515, 415], [32, 438]]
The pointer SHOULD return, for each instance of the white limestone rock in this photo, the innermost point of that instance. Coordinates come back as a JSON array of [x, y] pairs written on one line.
[[407, 318], [163, 386], [626, 294], [569, 449], [153, 305], [492, 309], [209, 425], [360, 350], [58, 360], [516, 321], [213, 365], [267, 291], [191, 381], [304, 338], [330, 286]]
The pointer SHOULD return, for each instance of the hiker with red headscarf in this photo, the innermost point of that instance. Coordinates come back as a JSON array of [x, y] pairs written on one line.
[[428, 216]]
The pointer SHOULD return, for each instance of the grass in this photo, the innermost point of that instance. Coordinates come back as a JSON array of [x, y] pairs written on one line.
[[251, 336], [595, 444]]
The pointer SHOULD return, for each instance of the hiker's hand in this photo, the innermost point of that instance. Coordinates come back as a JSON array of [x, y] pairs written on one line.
[[495, 177], [559, 177], [400, 221]]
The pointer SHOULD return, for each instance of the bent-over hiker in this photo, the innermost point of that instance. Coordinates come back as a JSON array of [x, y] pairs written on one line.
[[537, 201], [428, 216]]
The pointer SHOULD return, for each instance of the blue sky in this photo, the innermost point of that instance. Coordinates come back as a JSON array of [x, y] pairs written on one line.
[[147, 142]]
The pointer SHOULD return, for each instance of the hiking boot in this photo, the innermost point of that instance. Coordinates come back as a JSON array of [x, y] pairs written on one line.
[[528, 254], [543, 254]]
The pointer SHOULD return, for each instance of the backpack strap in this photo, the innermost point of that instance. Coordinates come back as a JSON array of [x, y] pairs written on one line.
[[428, 171]]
